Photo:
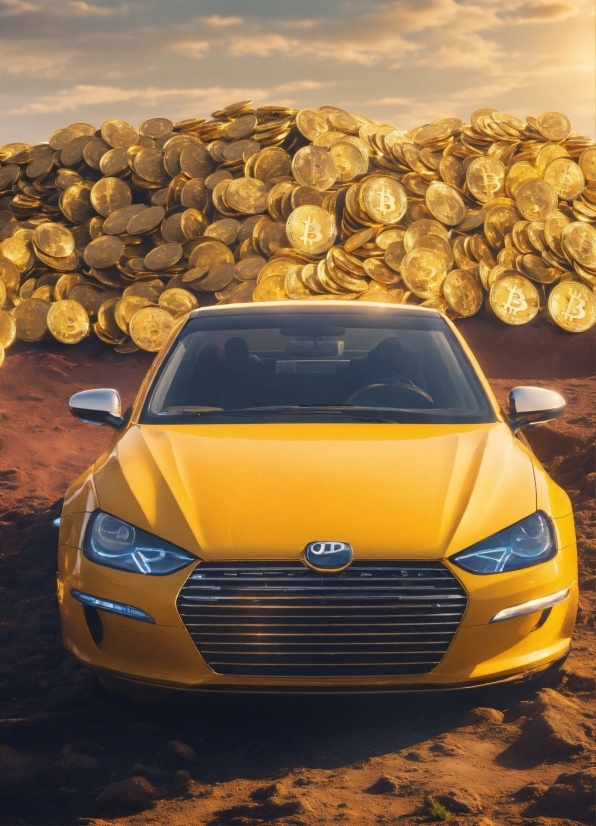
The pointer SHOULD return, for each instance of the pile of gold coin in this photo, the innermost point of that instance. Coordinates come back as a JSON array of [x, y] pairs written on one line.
[[119, 232]]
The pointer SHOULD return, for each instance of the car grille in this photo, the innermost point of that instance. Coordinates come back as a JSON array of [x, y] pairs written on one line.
[[283, 619]]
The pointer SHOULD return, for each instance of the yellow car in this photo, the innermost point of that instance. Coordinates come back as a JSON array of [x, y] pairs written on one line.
[[316, 496]]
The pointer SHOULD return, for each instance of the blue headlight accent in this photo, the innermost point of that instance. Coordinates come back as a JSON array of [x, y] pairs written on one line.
[[522, 545], [113, 607], [112, 542]]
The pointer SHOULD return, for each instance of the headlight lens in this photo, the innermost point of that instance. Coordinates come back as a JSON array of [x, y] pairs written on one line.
[[112, 542], [524, 544]]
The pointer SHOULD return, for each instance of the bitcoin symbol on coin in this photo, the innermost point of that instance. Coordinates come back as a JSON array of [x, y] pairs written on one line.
[[576, 307], [386, 199], [312, 231], [490, 183], [516, 301]]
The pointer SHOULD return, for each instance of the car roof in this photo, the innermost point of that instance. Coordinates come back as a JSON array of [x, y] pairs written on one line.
[[314, 307]]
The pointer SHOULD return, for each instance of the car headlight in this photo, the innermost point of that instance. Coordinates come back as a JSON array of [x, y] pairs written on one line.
[[526, 543], [112, 542]]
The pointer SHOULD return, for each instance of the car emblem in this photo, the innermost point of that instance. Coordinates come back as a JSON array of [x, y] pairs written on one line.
[[328, 556]]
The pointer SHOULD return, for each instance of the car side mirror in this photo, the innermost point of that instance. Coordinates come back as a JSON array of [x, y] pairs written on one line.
[[533, 405], [97, 407]]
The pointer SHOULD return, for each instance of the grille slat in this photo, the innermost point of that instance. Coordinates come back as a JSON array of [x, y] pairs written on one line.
[[284, 619]]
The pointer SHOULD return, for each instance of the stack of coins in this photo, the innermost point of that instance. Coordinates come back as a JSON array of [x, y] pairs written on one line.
[[120, 232]]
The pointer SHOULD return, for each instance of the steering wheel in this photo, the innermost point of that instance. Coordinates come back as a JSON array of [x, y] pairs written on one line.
[[383, 388]]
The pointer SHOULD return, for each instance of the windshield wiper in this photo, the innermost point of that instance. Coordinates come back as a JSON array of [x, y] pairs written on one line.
[[354, 412]]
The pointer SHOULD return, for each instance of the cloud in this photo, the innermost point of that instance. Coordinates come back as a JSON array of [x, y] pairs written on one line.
[[546, 12], [83, 96], [64, 8], [219, 22]]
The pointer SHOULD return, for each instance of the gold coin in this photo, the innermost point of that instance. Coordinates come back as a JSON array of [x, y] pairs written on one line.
[[31, 319], [421, 228], [1, 355], [247, 196], [119, 134], [445, 203], [311, 229], [249, 268], [68, 321], [553, 126], [104, 252], [536, 200], [312, 123], [54, 240], [294, 286], [109, 194], [438, 245], [351, 161], [395, 254], [18, 250], [518, 174], [375, 268], [587, 163], [462, 292], [358, 239], [116, 222], [46, 292], [242, 293], [89, 297], [150, 328], [314, 166], [9, 274], [107, 320], [218, 277], [514, 299], [2, 294], [549, 153], [177, 300], [423, 272], [384, 199], [127, 307], [8, 329], [156, 128], [271, 289], [572, 306], [485, 178], [75, 202], [207, 254], [145, 221], [566, 178], [196, 162], [114, 162], [163, 256], [579, 240]]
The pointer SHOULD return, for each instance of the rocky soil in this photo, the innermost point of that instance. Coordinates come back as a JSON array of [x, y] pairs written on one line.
[[72, 753]]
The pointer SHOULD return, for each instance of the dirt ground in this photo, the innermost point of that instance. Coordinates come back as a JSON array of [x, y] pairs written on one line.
[[71, 752]]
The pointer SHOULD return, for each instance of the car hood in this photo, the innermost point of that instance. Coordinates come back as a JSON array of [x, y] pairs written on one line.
[[257, 491]]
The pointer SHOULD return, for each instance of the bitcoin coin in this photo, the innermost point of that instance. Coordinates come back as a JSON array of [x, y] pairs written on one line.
[[311, 229], [312, 123], [572, 306], [104, 251], [423, 272], [384, 199], [485, 178], [579, 240], [314, 166], [31, 319], [110, 194], [566, 178], [514, 299], [176, 301], [536, 200], [445, 204], [462, 292], [8, 329], [68, 321], [150, 328], [553, 126], [54, 239]]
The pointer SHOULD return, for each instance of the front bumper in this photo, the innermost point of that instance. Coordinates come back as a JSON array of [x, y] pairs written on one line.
[[163, 654]]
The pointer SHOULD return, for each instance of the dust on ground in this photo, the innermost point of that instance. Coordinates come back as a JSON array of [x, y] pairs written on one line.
[[72, 753]]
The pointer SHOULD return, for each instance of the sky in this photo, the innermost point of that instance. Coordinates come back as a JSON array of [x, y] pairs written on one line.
[[402, 62]]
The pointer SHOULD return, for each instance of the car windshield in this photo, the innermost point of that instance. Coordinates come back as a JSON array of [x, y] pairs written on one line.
[[365, 365]]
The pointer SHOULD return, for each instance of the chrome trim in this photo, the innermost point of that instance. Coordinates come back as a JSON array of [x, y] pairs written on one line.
[[533, 605], [101, 406], [113, 607]]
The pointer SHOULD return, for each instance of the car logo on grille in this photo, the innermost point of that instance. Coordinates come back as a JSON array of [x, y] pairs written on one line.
[[328, 556]]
